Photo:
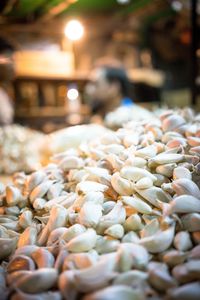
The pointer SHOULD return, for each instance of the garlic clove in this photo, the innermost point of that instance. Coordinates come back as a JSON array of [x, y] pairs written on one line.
[[154, 195], [185, 292], [182, 241], [83, 242], [90, 214], [167, 158], [185, 204], [160, 278], [134, 174], [58, 218], [130, 237], [56, 235], [106, 245], [34, 180], [181, 172], [132, 256], [158, 242], [78, 261], [144, 183], [65, 200], [73, 231], [7, 246], [70, 162], [37, 281], [26, 250], [115, 231], [166, 169], [39, 296], [39, 203], [97, 276], [40, 190], [121, 185], [25, 219], [172, 122], [20, 262], [116, 216], [116, 292], [108, 206], [13, 195], [195, 253], [174, 257], [150, 229], [60, 259], [28, 237], [90, 186], [12, 210], [55, 190], [146, 152], [184, 186], [66, 285], [137, 203], [130, 277], [133, 223], [196, 237], [187, 272], [43, 258]]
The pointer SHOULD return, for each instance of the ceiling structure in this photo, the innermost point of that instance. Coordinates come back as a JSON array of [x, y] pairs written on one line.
[[164, 26], [26, 11], [24, 20], [28, 15]]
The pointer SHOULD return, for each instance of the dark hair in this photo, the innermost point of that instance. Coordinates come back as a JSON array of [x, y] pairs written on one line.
[[119, 75], [5, 46]]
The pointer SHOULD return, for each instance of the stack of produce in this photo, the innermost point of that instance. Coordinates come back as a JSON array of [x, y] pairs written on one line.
[[118, 218], [124, 114], [19, 149]]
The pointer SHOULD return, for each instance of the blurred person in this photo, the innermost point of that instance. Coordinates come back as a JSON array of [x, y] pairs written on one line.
[[108, 88], [6, 104]]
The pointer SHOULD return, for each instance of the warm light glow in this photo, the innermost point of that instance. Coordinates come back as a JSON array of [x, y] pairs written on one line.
[[72, 94], [123, 1], [177, 5], [74, 30]]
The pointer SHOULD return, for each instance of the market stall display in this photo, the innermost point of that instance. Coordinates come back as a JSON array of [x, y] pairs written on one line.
[[117, 218]]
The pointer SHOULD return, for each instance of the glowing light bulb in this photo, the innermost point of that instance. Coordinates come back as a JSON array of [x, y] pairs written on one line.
[[123, 1], [74, 30], [177, 5], [72, 94]]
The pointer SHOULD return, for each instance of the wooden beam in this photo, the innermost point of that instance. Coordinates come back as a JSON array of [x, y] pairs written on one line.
[[56, 10]]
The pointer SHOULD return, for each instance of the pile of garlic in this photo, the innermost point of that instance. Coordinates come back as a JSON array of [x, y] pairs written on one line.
[[124, 114], [19, 149], [117, 218]]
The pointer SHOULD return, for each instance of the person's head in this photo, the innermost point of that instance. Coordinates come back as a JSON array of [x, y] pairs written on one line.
[[108, 85], [109, 82]]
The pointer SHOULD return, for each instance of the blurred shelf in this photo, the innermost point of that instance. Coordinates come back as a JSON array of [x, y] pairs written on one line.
[[78, 76], [35, 112]]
